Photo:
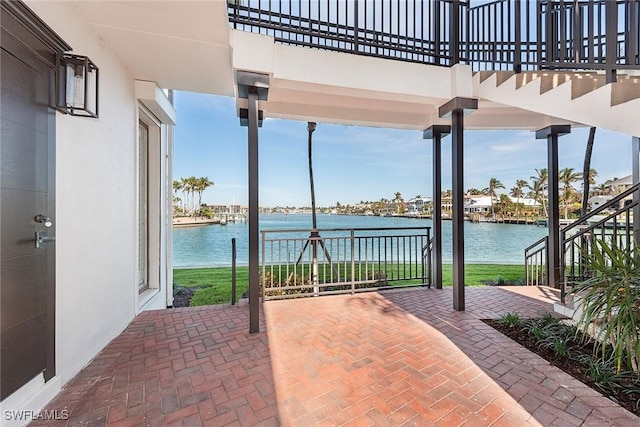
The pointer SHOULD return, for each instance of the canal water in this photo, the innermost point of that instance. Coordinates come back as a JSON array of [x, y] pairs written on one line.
[[485, 243]]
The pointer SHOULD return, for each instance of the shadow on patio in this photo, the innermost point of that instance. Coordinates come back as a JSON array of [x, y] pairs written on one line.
[[392, 358]]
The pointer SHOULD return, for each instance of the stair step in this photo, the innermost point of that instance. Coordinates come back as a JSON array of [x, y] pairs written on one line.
[[583, 84], [553, 80], [626, 89], [503, 76], [484, 75]]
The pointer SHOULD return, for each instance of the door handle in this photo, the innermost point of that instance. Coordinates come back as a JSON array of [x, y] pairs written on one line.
[[41, 237]]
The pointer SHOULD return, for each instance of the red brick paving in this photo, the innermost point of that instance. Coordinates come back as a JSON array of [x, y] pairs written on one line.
[[377, 359]]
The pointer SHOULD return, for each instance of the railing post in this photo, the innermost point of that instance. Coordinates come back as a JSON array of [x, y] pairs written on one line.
[[429, 277], [353, 263], [437, 17], [611, 40], [517, 61], [233, 271], [356, 29], [635, 166], [454, 36], [264, 265]]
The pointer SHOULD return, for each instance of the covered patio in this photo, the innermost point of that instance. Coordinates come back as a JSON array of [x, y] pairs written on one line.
[[399, 357]]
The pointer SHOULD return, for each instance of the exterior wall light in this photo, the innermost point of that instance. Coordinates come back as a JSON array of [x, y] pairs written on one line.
[[76, 85]]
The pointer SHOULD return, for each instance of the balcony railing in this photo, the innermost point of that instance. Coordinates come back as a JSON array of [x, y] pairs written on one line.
[[610, 223], [535, 263], [302, 263], [503, 34]]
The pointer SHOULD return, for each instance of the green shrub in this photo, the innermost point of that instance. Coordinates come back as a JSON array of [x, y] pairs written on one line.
[[512, 320], [611, 301]]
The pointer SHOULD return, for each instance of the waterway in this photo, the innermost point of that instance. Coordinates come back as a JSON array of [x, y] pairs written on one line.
[[484, 242]]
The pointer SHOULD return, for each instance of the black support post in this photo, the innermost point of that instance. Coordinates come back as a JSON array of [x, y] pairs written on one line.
[[436, 133], [611, 40], [254, 244], [551, 134], [456, 108], [253, 87], [635, 167], [454, 27]]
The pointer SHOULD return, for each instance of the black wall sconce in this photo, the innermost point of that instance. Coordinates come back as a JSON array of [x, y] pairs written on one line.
[[76, 85]]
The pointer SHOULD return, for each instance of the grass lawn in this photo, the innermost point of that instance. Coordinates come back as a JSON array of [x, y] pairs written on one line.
[[214, 284]]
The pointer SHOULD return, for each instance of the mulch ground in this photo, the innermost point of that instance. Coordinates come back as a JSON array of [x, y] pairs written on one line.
[[182, 298], [626, 399]]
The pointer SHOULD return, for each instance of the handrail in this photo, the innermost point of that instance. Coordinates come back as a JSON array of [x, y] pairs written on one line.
[[315, 262], [501, 34], [330, 230], [616, 228], [535, 263], [599, 209], [528, 248]]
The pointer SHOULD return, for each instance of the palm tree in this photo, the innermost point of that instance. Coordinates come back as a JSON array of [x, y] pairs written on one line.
[[536, 192], [177, 186], [567, 177], [398, 200], [186, 190], [201, 185], [540, 182], [473, 191], [311, 127], [587, 178], [520, 185], [494, 184]]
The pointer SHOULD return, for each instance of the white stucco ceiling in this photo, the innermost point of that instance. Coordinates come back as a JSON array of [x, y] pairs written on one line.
[[188, 45]]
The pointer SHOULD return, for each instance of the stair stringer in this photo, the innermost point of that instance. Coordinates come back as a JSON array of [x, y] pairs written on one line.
[[591, 109]]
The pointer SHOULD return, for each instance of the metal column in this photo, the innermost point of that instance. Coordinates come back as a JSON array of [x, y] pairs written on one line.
[[435, 133], [254, 242], [253, 87], [551, 134], [611, 40], [456, 108], [635, 166]]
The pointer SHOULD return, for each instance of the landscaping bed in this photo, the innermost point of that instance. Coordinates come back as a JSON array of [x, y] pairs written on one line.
[[562, 346]]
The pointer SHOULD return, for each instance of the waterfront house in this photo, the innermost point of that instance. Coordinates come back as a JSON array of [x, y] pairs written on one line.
[[87, 134], [475, 204], [418, 206]]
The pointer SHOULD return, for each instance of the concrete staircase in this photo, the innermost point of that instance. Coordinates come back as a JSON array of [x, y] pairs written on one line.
[[577, 97]]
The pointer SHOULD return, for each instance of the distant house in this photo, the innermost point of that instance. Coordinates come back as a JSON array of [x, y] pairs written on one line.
[[596, 201], [477, 204], [619, 185], [418, 206], [529, 203]]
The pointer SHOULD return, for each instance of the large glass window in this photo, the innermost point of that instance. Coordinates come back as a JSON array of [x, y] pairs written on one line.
[[143, 206]]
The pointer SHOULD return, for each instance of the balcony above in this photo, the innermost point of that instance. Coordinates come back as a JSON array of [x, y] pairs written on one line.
[[190, 46]]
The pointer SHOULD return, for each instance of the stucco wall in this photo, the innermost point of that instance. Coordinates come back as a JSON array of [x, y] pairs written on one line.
[[95, 206]]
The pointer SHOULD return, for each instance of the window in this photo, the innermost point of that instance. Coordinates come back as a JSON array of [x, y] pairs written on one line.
[[143, 207]]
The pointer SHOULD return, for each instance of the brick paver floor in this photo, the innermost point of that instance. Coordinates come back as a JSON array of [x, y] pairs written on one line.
[[396, 358]]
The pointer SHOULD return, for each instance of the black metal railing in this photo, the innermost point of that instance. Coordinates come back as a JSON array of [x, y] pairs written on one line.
[[413, 30], [611, 223], [303, 263], [503, 34], [535, 263]]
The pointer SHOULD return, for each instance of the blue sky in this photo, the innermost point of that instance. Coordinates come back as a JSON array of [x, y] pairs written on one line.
[[354, 163]]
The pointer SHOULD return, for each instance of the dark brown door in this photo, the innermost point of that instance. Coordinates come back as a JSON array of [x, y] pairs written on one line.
[[27, 276]]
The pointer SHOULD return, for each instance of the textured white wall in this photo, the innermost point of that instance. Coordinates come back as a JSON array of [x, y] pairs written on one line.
[[95, 204]]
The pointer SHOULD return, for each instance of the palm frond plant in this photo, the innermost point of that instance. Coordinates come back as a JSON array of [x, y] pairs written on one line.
[[610, 302]]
